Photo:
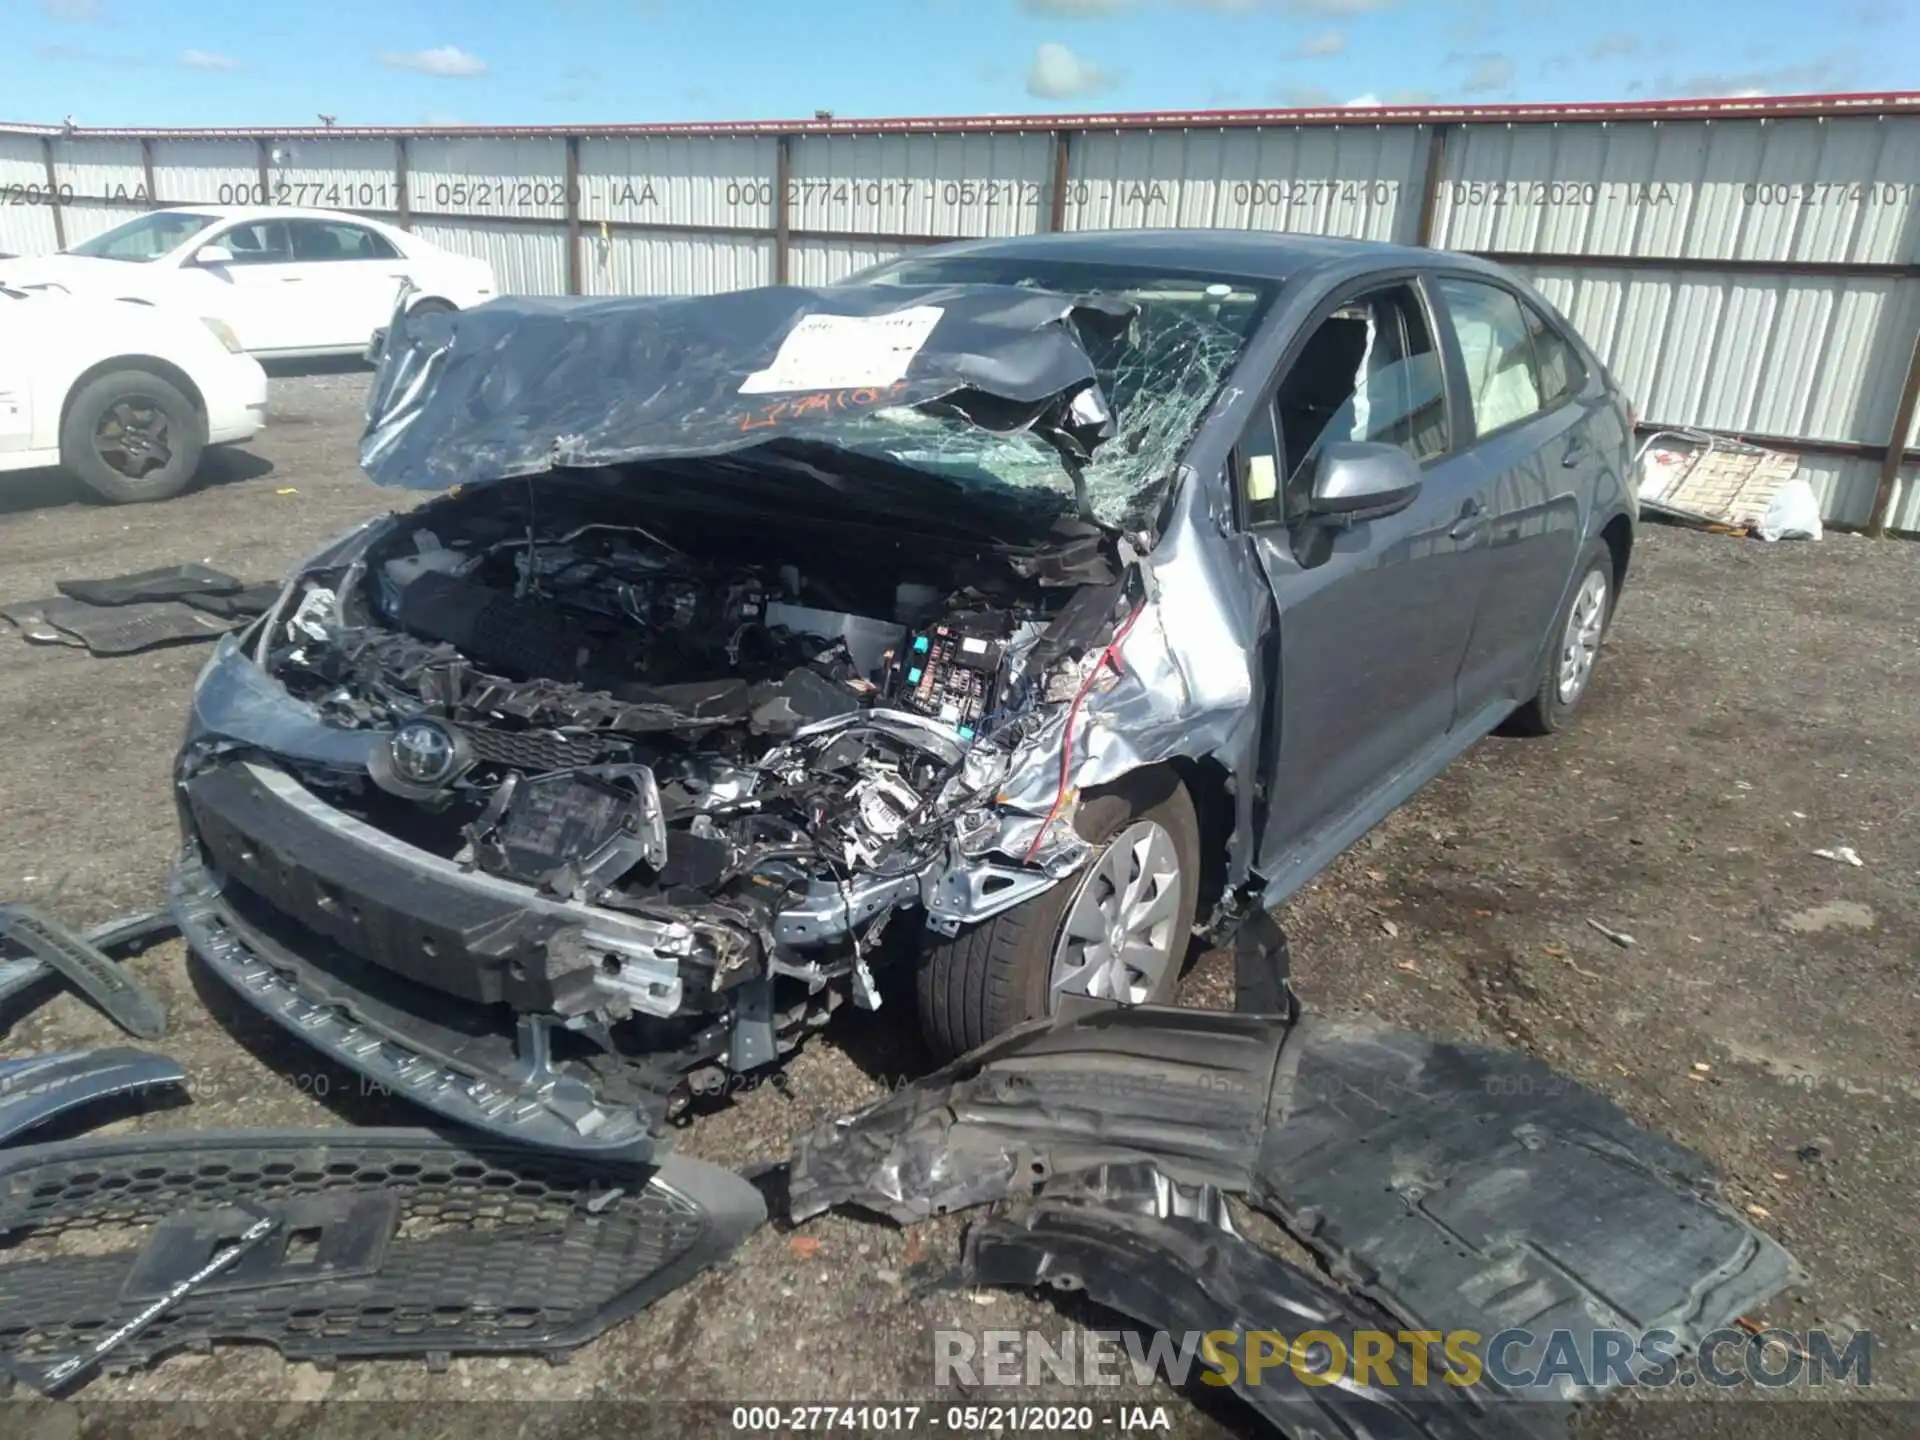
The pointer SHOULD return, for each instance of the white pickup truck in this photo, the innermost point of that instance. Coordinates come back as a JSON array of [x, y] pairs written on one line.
[[124, 396]]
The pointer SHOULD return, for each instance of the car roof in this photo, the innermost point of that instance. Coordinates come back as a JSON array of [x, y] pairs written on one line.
[[264, 212], [1246, 254]]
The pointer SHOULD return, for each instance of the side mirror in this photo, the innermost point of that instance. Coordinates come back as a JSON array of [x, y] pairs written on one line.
[[213, 255], [1357, 480]]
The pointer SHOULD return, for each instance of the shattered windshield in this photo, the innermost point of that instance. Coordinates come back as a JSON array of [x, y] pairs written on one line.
[[1160, 377]]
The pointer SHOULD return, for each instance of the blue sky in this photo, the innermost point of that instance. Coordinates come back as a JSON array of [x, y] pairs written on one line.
[[539, 62]]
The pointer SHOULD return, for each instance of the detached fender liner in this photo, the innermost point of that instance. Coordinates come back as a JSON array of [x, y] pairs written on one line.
[[1189, 1277], [1457, 1187], [390, 1243], [1184, 1089]]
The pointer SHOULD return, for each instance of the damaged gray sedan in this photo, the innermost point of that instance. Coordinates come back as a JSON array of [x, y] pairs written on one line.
[[1013, 612]]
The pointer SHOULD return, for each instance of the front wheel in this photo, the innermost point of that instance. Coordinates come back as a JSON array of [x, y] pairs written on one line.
[[1566, 670], [1118, 930], [131, 436]]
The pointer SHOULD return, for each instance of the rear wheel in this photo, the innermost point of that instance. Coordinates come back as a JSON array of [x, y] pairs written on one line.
[[132, 436], [1566, 670], [1119, 930]]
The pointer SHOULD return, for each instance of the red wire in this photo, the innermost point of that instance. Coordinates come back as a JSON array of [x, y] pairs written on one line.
[[1107, 657]]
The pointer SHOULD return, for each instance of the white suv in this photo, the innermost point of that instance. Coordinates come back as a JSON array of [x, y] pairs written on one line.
[[290, 282], [124, 397]]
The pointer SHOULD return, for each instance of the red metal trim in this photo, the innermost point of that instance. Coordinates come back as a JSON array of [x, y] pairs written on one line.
[[1873, 103]]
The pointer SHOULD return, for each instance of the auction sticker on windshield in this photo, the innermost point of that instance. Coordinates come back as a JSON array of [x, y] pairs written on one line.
[[843, 352]]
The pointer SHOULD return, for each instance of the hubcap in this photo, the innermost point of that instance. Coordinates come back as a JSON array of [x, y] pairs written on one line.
[[1118, 938], [132, 437], [1582, 641]]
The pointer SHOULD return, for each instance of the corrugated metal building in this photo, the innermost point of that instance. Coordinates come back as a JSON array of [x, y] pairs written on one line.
[[1746, 266]]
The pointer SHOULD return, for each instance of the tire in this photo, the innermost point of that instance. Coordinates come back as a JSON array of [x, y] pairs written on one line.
[[995, 975], [161, 465], [431, 307], [1551, 706]]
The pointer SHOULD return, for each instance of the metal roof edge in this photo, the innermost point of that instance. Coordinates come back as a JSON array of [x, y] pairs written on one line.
[[1875, 103]]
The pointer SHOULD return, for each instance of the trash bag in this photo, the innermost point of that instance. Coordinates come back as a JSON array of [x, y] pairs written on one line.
[[1792, 514]]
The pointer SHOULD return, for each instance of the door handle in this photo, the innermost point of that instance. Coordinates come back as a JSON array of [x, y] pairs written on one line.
[[1576, 450], [290, 279], [1468, 525]]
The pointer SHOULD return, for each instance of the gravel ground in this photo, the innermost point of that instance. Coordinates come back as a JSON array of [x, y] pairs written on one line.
[[1755, 704]]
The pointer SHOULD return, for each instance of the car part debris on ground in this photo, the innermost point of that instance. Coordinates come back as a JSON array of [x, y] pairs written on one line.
[[387, 1243], [126, 614], [1138, 1253], [82, 960], [1455, 1187], [35, 1089]]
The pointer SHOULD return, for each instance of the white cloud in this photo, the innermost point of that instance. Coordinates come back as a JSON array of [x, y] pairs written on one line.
[[72, 9], [447, 61], [1057, 72], [1361, 102], [1619, 43], [1303, 97], [1076, 9], [1490, 72], [1823, 72], [207, 60], [1327, 42], [1306, 9], [1321, 9]]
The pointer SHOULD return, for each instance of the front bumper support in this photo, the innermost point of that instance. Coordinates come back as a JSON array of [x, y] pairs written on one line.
[[519, 1095]]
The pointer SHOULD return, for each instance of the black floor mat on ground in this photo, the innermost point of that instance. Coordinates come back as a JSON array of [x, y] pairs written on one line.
[[115, 629], [240, 605], [386, 1243], [171, 582]]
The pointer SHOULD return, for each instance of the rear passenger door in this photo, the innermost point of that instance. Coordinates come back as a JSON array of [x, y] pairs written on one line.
[[1373, 617], [351, 274], [1523, 382]]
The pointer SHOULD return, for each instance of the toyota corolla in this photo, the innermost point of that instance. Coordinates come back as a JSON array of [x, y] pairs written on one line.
[[1011, 614]]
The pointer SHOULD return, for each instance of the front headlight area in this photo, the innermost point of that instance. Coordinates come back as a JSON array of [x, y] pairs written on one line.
[[223, 332]]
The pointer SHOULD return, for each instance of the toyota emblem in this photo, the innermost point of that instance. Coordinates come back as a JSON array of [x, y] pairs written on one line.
[[424, 753]]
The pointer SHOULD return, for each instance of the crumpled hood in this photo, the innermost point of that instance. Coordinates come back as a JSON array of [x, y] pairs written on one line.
[[526, 384]]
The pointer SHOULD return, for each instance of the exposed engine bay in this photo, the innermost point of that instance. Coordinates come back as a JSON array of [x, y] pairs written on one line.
[[772, 727]]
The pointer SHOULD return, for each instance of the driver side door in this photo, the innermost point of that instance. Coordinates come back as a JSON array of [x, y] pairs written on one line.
[[1374, 617]]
